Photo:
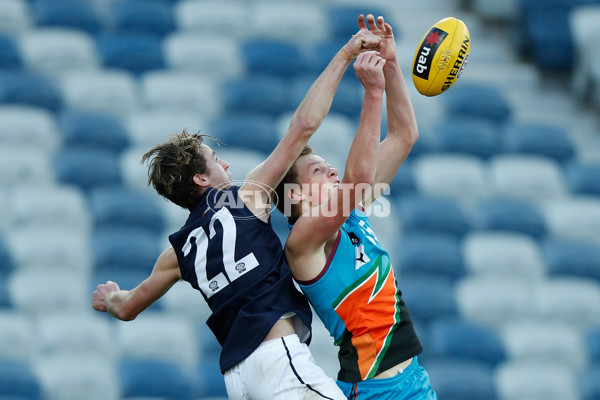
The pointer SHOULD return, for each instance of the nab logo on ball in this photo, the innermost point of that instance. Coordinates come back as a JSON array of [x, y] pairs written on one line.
[[428, 49], [441, 56]]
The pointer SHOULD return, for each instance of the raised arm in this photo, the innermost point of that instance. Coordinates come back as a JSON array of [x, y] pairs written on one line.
[[311, 232], [309, 115], [126, 305], [402, 124]]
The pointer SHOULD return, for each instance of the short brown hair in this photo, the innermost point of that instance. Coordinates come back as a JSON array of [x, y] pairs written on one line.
[[172, 166], [290, 177]]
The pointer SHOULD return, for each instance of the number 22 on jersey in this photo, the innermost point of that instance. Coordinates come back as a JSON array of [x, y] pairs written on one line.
[[232, 268]]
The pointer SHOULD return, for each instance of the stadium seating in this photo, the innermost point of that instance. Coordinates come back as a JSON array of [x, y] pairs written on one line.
[[18, 339], [133, 52], [582, 178], [587, 382], [532, 178], [435, 254], [18, 380], [94, 130], [149, 128], [304, 21], [535, 381], [279, 58], [86, 167], [6, 258], [28, 88], [183, 300], [23, 125], [342, 18], [551, 343], [15, 16], [420, 213], [466, 136], [123, 207], [154, 379], [251, 131], [582, 23], [543, 139], [180, 92], [509, 214], [59, 51], [461, 379], [72, 377], [483, 101], [151, 16], [156, 336], [503, 254], [462, 177], [115, 248], [208, 381], [18, 170], [591, 338], [571, 300], [572, 258], [241, 161], [77, 14], [207, 53], [5, 298], [575, 217], [207, 16], [267, 95], [466, 341], [110, 91], [428, 297], [81, 334], [484, 299], [57, 247], [10, 57]]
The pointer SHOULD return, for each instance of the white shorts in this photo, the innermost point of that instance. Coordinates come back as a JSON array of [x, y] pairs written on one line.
[[281, 368]]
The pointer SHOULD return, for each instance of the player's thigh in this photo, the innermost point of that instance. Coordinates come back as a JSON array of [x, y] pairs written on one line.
[[285, 369]]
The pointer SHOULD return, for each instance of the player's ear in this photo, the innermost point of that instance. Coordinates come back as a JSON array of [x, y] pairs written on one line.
[[294, 192], [201, 180]]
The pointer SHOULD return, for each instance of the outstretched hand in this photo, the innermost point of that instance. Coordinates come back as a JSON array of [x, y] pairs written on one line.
[[383, 30], [363, 40], [369, 70]]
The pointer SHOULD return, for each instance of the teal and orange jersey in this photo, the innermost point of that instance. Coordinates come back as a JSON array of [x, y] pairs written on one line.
[[357, 298]]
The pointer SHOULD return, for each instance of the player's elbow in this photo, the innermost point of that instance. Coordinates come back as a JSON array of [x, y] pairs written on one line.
[[304, 125]]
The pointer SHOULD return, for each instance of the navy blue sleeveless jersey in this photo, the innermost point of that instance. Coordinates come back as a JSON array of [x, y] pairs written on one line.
[[237, 262]]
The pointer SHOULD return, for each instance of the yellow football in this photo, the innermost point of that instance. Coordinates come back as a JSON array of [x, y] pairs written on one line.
[[441, 56]]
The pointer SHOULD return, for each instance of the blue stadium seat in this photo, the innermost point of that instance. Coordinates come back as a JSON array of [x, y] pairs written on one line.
[[504, 214], [591, 338], [588, 382], [148, 16], [279, 222], [10, 57], [208, 380], [123, 207], [256, 95], [124, 248], [320, 54], [477, 101], [454, 379], [5, 297], [404, 180], [343, 19], [252, 131], [86, 167], [77, 14], [436, 254], [272, 57], [544, 22], [21, 87], [133, 52], [542, 139], [208, 346], [428, 297], [154, 378], [94, 130], [571, 257], [347, 101], [582, 178], [465, 135], [421, 213], [467, 341], [18, 381], [6, 259]]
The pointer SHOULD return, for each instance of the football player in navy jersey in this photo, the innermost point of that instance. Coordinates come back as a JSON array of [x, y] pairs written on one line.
[[229, 252]]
